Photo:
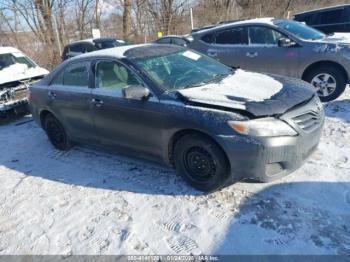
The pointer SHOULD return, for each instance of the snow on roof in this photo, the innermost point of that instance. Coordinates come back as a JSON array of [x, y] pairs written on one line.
[[8, 49], [264, 20]]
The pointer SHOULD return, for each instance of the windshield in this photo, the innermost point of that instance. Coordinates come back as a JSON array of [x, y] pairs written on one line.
[[182, 69], [301, 30], [9, 59]]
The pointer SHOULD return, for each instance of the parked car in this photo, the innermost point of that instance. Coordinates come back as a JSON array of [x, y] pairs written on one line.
[[166, 103], [17, 71], [172, 40], [283, 47], [89, 45], [328, 20]]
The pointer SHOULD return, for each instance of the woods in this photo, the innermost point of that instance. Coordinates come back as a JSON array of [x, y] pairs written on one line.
[[41, 28]]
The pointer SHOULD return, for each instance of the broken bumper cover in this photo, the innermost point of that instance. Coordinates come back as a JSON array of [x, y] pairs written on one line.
[[15, 106], [267, 159]]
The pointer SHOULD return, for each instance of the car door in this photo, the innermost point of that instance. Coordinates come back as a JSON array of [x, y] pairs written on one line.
[[69, 99], [265, 55], [124, 123], [229, 46]]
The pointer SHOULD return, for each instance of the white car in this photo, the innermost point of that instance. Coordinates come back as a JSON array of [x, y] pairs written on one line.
[[17, 71]]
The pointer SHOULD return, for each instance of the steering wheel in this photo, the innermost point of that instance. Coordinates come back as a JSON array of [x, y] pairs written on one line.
[[186, 75]]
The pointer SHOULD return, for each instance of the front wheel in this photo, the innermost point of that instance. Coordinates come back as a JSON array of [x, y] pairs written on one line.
[[329, 82], [56, 133], [201, 162]]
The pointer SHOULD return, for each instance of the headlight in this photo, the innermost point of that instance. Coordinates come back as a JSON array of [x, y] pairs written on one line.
[[263, 127]]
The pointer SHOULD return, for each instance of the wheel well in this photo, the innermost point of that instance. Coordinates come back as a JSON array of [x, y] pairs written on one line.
[[325, 63], [178, 135], [43, 115]]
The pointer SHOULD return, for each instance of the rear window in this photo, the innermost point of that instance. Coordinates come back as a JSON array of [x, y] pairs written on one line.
[[208, 38], [77, 74], [234, 36], [76, 48]]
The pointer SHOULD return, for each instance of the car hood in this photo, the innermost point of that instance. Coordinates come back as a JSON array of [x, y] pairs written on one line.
[[255, 93], [339, 38], [19, 72]]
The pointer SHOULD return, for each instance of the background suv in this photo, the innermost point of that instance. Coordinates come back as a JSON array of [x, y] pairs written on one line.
[[328, 20], [280, 46], [89, 45]]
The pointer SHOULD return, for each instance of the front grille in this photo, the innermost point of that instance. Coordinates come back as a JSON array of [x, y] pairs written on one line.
[[309, 121], [308, 117]]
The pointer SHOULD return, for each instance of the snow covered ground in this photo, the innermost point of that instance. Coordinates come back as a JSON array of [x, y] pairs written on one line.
[[91, 202]]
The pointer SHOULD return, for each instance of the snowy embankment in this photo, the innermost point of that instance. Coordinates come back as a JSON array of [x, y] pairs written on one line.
[[90, 202]]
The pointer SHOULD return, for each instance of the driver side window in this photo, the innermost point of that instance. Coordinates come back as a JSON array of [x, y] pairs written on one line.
[[113, 76], [260, 35]]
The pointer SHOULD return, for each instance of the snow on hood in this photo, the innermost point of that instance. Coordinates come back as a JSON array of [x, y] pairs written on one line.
[[333, 43], [19, 72], [342, 38], [237, 88], [259, 94]]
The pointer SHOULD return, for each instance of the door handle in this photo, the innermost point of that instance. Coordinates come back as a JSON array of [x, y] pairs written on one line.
[[252, 54], [52, 95], [97, 102], [212, 54]]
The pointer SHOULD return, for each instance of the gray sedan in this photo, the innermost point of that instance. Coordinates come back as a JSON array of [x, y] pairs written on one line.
[[166, 103], [280, 46]]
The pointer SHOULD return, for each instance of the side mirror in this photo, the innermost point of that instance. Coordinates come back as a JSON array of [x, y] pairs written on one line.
[[286, 42], [136, 92]]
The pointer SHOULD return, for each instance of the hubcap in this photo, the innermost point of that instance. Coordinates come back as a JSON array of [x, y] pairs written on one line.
[[199, 164], [325, 84]]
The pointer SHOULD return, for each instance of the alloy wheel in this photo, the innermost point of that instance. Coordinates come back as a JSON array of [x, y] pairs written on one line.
[[325, 84]]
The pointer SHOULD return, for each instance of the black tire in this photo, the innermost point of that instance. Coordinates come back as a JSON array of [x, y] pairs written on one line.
[[194, 149], [338, 75], [56, 133]]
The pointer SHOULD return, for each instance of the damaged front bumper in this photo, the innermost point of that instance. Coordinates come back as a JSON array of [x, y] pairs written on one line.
[[13, 99], [268, 158]]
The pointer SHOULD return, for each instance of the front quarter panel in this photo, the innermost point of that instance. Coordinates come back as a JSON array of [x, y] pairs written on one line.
[[186, 117]]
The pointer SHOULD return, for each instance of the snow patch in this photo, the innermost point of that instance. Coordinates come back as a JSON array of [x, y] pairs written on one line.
[[238, 88], [18, 72]]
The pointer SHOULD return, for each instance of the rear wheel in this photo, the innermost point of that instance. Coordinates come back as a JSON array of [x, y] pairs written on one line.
[[201, 162], [56, 133], [329, 82]]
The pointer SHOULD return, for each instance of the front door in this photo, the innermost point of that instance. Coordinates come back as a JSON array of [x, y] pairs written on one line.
[[125, 123], [264, 54]]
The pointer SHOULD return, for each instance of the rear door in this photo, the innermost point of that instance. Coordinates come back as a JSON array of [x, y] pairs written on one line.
[[69, 99], [229, 46], [126, 123], [264, 55]]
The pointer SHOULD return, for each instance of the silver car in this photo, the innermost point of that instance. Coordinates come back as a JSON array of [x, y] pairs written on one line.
[[280, 46]]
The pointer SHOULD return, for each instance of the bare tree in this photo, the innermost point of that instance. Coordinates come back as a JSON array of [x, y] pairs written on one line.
[[127, 19]]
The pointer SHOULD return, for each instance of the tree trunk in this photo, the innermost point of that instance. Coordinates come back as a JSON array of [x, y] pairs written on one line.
[[127, 19]]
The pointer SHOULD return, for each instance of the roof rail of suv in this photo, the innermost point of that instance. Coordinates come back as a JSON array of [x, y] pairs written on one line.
[[214, 25]]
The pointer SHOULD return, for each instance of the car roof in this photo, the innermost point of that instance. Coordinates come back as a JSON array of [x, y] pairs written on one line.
[[322, 9], [223, 25], [8, 49], [130, 51]]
